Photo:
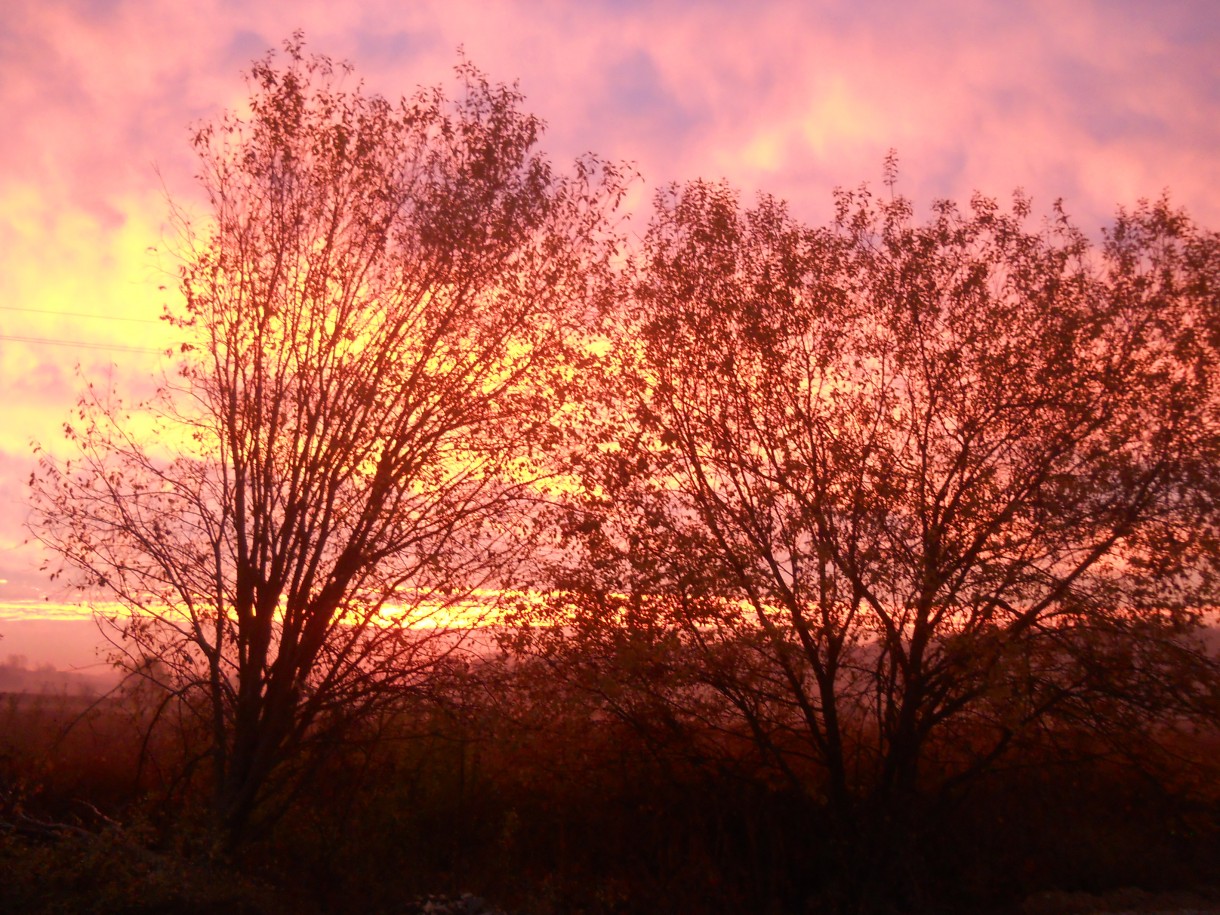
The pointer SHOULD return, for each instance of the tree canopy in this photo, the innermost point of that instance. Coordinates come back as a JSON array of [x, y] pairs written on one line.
[[906, 491], [380, 324]]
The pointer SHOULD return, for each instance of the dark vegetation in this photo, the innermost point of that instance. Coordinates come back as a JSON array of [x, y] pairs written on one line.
[[544, 794], [856, 568]]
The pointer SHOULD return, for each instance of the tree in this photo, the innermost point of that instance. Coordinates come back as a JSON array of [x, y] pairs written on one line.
[[381, 320], [910, 491]]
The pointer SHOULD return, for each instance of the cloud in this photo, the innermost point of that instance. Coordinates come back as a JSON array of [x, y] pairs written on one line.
[[1100, 103]]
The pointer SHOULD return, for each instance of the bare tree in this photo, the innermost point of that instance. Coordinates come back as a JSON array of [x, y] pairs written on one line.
[[381, 319], [896, 484]]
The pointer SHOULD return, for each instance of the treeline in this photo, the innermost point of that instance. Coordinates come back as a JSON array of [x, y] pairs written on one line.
[[833, 567], [17, 676]]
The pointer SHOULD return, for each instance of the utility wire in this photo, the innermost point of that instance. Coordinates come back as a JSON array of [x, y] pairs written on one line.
[[116, 347], [77, 314]]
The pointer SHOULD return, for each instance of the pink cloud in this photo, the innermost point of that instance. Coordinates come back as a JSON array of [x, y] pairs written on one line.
[[1098, 102]]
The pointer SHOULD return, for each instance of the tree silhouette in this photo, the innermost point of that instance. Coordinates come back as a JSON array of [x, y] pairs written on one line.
[[381, 320], [906, 491]]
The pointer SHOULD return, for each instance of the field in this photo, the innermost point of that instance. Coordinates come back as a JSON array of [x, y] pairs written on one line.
[[519, 789]]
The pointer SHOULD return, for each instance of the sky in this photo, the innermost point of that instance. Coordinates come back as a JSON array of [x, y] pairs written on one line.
[[1098, 102]]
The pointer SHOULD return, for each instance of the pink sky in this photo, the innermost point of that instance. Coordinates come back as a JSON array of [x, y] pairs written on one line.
[[1100, 103]]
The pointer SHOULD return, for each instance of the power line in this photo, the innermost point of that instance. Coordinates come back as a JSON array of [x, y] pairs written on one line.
[[115, 347], [77, 314]]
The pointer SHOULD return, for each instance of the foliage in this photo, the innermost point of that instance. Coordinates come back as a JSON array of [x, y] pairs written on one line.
[[519, 782], [381, 322], [898, 484]]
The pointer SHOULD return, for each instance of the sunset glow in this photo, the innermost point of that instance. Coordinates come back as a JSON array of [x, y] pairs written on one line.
[[1100, 104]]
